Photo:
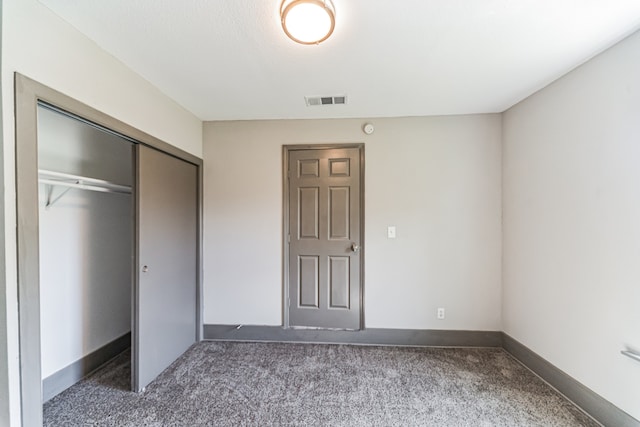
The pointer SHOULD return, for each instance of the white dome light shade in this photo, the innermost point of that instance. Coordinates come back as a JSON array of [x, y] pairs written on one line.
[[308, 21]]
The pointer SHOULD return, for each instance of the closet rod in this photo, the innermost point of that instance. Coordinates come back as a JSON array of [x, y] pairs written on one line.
[[82, 186], [631, 354], [80, 182]]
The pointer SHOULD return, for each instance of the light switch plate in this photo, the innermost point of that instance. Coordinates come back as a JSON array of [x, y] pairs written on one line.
[[391, 232]]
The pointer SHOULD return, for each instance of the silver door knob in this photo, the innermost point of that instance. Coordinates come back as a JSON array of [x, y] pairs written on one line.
[[355, 248], [145, 268]]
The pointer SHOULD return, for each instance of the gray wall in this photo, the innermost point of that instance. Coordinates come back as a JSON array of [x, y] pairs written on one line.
[[4, 365], [437, 179], [571, 208], [85, 243]]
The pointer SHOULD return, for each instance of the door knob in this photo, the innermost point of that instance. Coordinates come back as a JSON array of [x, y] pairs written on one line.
[[355, 248], [145, 268]]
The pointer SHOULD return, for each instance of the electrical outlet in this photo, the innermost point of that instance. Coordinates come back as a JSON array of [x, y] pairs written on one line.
[[441, 313]]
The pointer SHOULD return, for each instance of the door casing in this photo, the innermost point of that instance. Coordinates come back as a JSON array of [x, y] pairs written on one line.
[[286, 149], [28, 93]]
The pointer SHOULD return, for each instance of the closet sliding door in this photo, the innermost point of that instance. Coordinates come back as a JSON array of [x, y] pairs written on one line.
[[166, 260]]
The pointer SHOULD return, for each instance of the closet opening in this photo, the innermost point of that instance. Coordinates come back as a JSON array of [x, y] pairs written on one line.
[[109, 247], [86, 235]]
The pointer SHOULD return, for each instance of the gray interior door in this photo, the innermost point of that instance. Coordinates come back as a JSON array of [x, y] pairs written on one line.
[[166, 250], [324, 238]]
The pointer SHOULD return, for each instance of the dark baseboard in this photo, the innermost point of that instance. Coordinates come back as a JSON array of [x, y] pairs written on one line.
[[373, 336], [66, 377], [593, 404]]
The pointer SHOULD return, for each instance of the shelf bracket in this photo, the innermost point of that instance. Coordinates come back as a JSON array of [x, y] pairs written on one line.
[[49, 189], [52, 179]]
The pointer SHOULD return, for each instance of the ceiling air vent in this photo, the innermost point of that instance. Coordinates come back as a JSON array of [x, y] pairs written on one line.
[[325, 100]]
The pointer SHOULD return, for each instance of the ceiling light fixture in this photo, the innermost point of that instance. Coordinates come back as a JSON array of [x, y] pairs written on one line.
[[308, 21]]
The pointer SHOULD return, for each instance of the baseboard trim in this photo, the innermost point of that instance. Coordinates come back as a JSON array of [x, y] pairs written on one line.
[[372, 336], [592, 403], [68, 376]]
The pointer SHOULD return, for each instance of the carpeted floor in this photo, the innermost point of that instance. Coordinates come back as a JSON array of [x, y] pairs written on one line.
[[265, 384]]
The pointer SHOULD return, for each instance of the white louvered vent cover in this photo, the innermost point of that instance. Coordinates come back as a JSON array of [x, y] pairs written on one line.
[[325, 100]]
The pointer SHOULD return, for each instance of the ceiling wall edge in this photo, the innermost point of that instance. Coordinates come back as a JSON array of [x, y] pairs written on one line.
[[372, 117], [548, 82]]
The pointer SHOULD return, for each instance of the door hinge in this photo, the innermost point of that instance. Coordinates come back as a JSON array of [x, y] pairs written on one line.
[[288, 238], [288, 302]]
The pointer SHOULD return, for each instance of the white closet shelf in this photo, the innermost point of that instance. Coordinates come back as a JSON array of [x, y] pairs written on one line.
[[52, 178]]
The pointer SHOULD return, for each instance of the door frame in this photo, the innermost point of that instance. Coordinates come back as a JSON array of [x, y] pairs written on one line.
[[286, 149], [28, 94]]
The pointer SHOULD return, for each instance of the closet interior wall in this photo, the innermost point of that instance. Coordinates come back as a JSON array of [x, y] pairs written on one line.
[[86, 240]]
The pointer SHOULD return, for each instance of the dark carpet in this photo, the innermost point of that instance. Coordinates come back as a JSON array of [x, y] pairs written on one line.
[[269, 384]]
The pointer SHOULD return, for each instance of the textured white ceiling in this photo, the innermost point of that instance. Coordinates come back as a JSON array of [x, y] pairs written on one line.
[[229, 59]]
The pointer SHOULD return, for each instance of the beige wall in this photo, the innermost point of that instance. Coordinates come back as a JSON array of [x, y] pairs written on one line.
[[570, 206], [40, 45], [572, 223], [4, 332], [438, 180]]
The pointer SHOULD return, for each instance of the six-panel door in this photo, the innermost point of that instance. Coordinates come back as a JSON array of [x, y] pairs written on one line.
[[324, 238]]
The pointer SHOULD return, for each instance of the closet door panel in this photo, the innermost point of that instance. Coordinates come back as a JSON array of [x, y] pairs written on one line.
[[166, 249]]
